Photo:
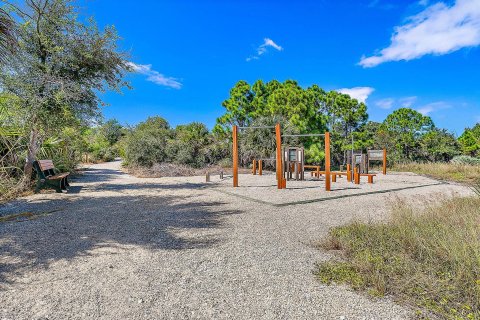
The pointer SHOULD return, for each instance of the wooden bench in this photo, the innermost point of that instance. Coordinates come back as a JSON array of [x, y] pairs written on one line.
[[48, 176], [336, 174], [316, 172], [369, 175]]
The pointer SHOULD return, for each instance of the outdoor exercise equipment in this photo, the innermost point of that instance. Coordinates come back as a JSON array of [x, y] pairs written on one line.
[[257, 164], [362, 161], [294, 162], [280, 172], [378, 155], [281, 182]]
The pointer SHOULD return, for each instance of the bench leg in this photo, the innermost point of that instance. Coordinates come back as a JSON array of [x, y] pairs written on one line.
[[334, 177], [38, 187], [63, 184], [370, 179]]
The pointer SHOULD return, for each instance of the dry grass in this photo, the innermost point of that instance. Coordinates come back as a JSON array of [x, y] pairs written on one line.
[[12, 188], [445, 171], [429, 259]]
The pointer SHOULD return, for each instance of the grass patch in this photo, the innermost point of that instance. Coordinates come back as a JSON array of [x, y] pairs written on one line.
[[429, 259], [445, 171]]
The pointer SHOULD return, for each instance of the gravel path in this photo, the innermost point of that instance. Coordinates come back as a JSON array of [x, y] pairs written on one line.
[[120, 247]]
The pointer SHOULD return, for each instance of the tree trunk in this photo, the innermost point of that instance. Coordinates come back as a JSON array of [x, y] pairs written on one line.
[[33, 146]]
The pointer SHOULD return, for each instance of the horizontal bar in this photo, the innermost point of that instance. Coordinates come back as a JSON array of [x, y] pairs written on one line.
[[261, 127], [304, 135]]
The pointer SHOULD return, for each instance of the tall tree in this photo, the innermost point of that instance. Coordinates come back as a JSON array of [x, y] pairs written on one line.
[[438, 145], [239, 106], [345, 116], [470, 141], [61, 64], [407, 126]]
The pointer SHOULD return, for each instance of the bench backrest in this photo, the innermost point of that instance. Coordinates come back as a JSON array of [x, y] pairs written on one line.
[[44, 168], [46, 164]]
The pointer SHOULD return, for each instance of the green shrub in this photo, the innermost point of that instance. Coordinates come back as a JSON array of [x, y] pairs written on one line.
[[146, 144], [466, 160], [225, 163], [190, 144]]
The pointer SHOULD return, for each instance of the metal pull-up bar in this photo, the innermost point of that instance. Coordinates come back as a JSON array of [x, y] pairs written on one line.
[[258, 127], [305, 135]]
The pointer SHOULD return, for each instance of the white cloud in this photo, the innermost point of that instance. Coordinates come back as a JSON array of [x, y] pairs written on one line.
[[434, 106], [439, 29], [359, 93], [155, 76], [407, 102], [385, 103], [263, 48]]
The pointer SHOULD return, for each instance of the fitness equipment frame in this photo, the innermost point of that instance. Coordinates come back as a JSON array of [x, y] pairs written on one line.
[[281, 181]]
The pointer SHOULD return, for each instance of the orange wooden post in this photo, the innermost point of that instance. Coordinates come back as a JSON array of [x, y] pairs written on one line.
[[260, 167], [254, 167], [356, 175], [334, 177], [278, 135], [327, 161], [349, 173], [235, 156], [384, 161]]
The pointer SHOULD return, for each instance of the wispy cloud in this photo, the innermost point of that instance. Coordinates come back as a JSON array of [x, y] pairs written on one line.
[[263, 48], [385, 103], [439, 29], [388, 103], [155, 76], [407, 102], [359, 93], [434, 106]]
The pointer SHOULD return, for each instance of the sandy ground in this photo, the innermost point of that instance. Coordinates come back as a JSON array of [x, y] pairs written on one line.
[[120, 247]]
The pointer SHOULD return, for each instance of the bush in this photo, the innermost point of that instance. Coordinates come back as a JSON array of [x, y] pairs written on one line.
[[189, 146], [225, 163], [466, 160], [105, 142], [146, 144], [428, 258]]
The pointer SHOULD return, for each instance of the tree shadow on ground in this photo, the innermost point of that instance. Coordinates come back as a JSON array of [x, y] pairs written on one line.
[[70, 228], [97, 174], [145, 186]]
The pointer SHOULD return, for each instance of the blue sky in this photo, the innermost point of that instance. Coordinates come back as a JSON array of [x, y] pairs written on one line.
[[188, 54]]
